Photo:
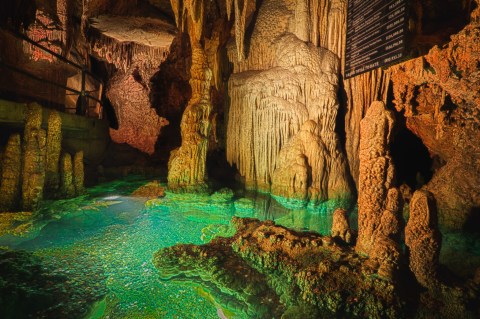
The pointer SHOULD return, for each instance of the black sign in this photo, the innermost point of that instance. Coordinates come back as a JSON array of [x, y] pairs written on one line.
[[376, 34]]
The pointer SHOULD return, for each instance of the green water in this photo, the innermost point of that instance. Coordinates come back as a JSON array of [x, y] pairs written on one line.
[[103, 243]]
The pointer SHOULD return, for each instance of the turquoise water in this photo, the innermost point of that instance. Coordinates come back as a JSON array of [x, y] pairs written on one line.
[[103, 243]]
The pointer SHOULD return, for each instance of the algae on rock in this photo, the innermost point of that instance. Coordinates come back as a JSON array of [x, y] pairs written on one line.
[[34, 150], [10, 186], [67, 188], [54, 148]]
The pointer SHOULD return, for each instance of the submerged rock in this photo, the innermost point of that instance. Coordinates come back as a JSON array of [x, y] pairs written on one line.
[[150, 190], [267, 271]]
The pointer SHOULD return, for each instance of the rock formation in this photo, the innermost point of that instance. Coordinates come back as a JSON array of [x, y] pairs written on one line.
[[281, 122], [135, 46], [11, 174], [439, 96], [54, 148], [78, 173], [377, 172], [67, 188], [423, 238], [34, 150], [187, 164], [266, 271], [341, 226]]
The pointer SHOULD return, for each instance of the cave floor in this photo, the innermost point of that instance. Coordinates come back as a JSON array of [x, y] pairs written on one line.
[[102, 244]]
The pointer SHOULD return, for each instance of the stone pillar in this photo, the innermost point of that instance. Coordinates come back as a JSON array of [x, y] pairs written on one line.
[[423, 238], [54, 148], [376, 173], [67, 188], [78, 173], [187, 164], [11, 172], [34, 149]]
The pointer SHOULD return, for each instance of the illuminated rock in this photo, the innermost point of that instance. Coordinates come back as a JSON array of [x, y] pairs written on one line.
[[11, 172], [423, 238], [265, 270], [439, 96], [376, 173], [187, 164], [67, 188], [34, 151], [340, 226], [78, 173], [283, 105], [54, 148]]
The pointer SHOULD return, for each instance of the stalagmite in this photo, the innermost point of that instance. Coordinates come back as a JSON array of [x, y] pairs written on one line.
[[423, 238], [67, 188], [341, 226], [34, 149], [11, 173], [386, 249], [376, 173], [54, 148], [78, 173]]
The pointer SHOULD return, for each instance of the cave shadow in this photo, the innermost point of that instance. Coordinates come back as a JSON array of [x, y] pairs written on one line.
[[251, 27], [473, 220], [413, 163]]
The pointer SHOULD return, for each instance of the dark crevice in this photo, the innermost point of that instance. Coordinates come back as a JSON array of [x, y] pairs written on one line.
[[413, 163]]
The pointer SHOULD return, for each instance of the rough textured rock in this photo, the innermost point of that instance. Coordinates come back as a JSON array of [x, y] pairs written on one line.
[[150, 190], [136, 47], [11, 173], [423, 238], [439, 96], [54, 148], [78, 173], [33, 166], [187, 164], [67, 188], [283, 105], [267, 271], [341, 226], [376, 173]]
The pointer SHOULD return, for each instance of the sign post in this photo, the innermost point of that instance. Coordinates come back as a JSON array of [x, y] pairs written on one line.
[[376, 34]]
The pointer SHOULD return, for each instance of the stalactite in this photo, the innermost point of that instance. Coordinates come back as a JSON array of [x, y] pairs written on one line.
[[268, 108], [11, 174]]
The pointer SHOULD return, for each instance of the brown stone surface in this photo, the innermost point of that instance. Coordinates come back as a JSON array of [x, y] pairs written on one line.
[[439, 95], [34, 150], [423, 238], [150, 190], [78, 173], [67, 188], [340, 226], [187, 164], [11, 174], [54, 148], [376, 173]]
